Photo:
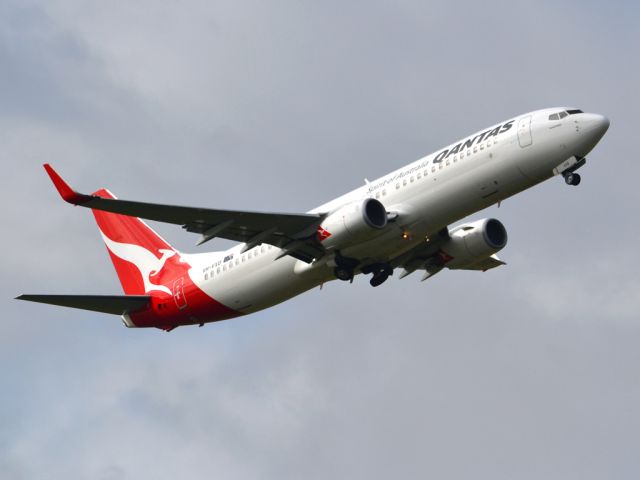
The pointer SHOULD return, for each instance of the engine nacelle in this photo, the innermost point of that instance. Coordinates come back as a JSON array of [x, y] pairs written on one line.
[[471, 244], [352, 223]]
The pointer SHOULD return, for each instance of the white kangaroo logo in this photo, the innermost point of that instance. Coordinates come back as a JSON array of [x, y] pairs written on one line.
[[145, 261]]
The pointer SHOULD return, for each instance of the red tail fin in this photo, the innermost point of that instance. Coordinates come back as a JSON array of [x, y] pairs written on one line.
[[144, 261]]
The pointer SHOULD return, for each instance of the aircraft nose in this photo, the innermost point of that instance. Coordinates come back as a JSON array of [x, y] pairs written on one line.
[[591, 128], [596, 124]]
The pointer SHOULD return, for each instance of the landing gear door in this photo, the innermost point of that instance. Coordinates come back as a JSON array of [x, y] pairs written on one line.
[[524, 131], [178, 294]]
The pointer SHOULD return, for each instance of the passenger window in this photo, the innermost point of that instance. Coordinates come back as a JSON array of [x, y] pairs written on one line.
[[262, 249], [411, 179], [206, 276], [440, 166], [404, 182], [397, 186], [419, 176], [469, 153], [433, 169], [384, 192], [448, 162], [482, 146], [475, 149], [426, 172]]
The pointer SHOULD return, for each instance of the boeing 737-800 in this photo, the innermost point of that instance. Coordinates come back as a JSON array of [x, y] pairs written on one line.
[[399, 221]]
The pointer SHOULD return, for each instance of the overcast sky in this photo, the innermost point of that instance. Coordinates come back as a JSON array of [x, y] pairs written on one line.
[[529, 371]]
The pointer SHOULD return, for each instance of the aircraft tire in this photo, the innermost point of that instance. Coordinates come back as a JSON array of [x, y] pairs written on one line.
[[576, 179], [378, 279], [572, 179], [343, 274]]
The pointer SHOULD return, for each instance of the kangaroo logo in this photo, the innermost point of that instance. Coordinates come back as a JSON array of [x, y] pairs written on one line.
[[146, 262]]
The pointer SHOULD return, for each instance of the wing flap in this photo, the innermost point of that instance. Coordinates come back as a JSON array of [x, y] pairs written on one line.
[[485, 264], [113, 304]]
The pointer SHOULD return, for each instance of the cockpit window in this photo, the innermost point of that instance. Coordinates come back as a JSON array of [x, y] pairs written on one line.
[[561, 115]]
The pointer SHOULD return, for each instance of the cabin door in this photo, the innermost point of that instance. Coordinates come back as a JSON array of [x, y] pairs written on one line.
[[524, 131]]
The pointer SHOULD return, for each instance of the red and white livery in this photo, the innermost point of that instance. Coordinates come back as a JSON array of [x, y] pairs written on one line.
[[397, 222]]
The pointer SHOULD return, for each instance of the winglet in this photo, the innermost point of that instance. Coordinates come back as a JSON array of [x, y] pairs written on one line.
[[65, 191]]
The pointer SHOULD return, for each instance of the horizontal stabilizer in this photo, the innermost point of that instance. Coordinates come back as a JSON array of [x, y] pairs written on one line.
[[115, 304]]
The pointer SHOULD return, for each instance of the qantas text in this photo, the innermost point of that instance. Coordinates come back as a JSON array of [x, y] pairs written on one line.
[[460, 147]]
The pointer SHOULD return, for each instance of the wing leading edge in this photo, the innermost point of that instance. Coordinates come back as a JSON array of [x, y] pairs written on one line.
[[295, 233]]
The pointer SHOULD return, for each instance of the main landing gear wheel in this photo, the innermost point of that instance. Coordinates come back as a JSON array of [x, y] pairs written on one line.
[[381, 276], [572, 179], [344, 274], [378, 279], [344, 268]]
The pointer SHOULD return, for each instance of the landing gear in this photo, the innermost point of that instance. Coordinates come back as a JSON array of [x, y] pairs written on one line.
[[382, 272], [569, 174], [345, 268], [378, 279], [343, 273], [572, 178]]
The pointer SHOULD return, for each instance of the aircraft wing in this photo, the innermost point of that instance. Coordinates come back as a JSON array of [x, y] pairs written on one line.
[[430, 258], [115, 304], [295, 233], [424, 256]]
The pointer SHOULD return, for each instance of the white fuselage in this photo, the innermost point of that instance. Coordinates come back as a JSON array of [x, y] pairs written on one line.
[[427, 195]]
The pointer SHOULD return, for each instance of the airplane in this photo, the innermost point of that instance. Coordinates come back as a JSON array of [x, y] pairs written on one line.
[[398, 222]]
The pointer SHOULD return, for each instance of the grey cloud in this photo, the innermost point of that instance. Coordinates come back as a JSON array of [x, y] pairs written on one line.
[[527, 371]]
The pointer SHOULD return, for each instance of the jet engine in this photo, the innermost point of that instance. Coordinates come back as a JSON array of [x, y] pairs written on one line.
[[470, 245], [353, 223]]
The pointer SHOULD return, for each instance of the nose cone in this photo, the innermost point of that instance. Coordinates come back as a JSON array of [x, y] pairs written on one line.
[[592, 127], [595, 124]]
